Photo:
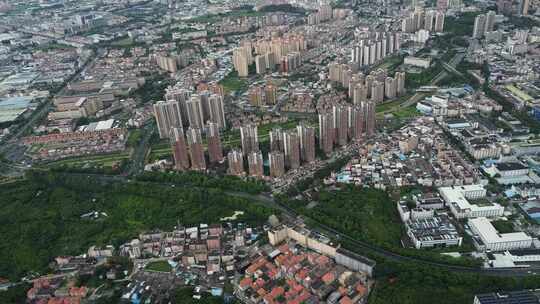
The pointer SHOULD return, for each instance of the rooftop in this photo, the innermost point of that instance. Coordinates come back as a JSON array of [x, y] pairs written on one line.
[[513, 297], [436, 228], [510, 166], [490, 235]]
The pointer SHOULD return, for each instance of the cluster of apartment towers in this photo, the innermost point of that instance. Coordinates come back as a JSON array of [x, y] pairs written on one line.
[[376, 87], [203, 113], [282, 51], [431, 20], [373, 46], [288, 149]]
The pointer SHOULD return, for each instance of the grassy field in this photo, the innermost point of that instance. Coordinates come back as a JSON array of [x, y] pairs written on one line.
[[104, 160], [392, 107], [387, 106], [416, 80], [160, 266], [124, 42], [408, 112], [233, 83], [390, 63]]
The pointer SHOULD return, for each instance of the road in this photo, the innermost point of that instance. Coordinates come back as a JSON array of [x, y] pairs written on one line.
[[42, 111], [139, 154], [450, 65], [360, 247]]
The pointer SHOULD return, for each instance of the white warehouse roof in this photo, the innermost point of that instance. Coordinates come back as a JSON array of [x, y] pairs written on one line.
[[490, 235]]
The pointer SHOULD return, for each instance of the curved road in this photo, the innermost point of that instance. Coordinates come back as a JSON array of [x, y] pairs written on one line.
[[361, 247]]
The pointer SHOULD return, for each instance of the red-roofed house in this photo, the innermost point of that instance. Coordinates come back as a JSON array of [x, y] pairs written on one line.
[[322, 260], [362, 290], [260, 282], [346, 300], [276, 292], [328, 278], [256, 265], [245, 283], [72, 300], [301, 274], [284, 248], [78, 292], [303, 296]]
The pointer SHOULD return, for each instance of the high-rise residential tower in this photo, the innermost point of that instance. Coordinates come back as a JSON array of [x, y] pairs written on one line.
[[168, 116], [356, 122], [196, 149], [276, 139], [377, 92], [490, 21], [479, 26], [216, 110], [369, 117], [439, 22], [306, 137], [179, 149], [255, 164], [524, 7], [242, 60], [249, 138], [235, 159], [326, 133], [340, 124], [215, 150], [180, 96], [400, 83], [276, 161], [195, 112], [291, 147], [390, 88]]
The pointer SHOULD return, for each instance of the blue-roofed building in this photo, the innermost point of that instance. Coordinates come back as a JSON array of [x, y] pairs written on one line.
[[216, 291], [16, 102], [510, 193], [343, 178], [135, 298], [536, 112], [531, 209], [13, 107], [424, 108]]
